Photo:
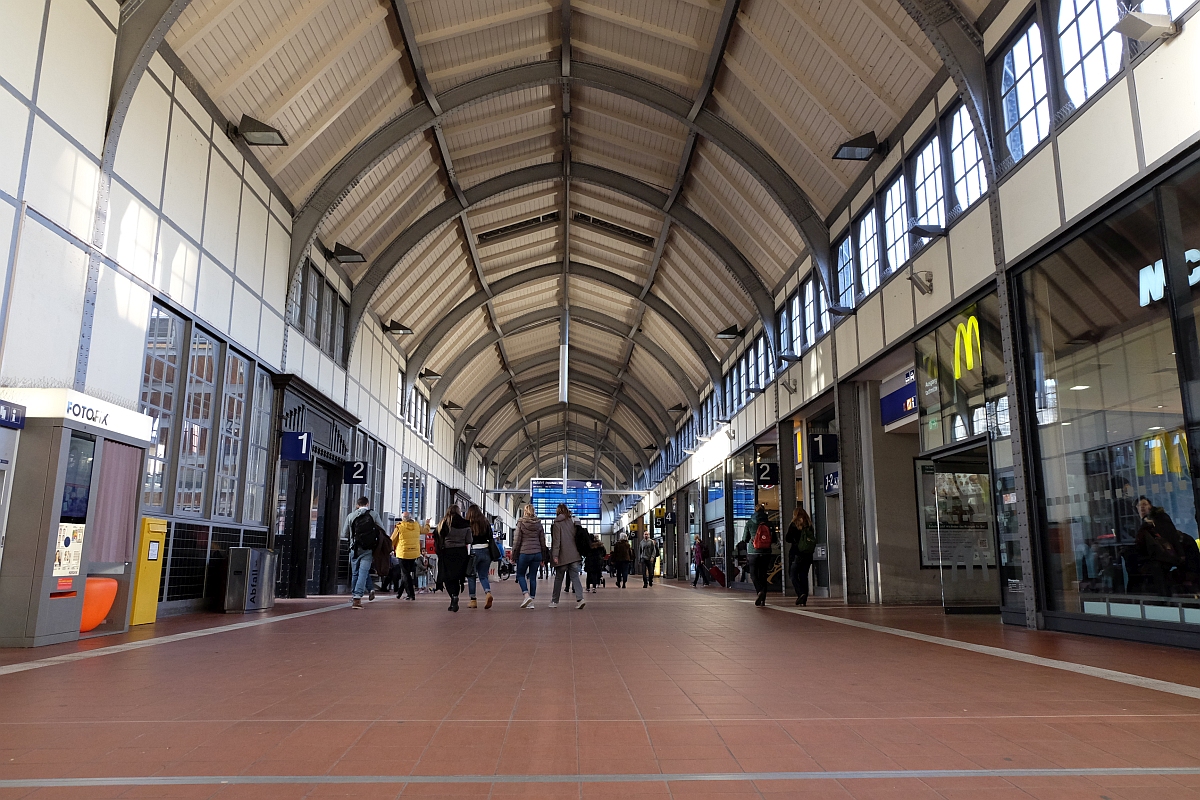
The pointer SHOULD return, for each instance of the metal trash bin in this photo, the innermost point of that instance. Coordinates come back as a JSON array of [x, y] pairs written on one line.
[[250, 581]]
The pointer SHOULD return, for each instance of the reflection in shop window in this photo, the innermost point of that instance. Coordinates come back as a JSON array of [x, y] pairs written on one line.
[[196, 432], [160, 375]]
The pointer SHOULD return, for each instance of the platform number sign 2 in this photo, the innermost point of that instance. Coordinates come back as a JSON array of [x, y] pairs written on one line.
[[823, 448], [767, 473], [354, 472], [295, 446]]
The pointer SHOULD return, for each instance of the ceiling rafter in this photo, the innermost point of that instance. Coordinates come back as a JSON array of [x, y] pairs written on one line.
[[893, 31], [484, 23], [605, 136], [490, 145], [381, 186], [205, 25], [739, 218], [414, 187], [763, 213], [621, 119], [639, 25], [262, 54], [493, 120], [509, 163], [638, 64], [305, 82], [483, 64]]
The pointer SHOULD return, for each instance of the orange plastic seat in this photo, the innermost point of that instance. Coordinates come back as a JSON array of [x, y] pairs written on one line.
[[98, 597]]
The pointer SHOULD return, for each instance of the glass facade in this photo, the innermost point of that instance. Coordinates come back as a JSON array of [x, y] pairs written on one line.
[[1113, 456]]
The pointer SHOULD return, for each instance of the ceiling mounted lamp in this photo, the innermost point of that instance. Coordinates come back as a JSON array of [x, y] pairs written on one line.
[[755, 389], [397, 328], [257, 133], [468, 427], [789, 356], [649, 448], [346, 255], [677, 408], [732, 332], [861, 148], [1146, 28], [449, 406], [926, 231], [430, 375]]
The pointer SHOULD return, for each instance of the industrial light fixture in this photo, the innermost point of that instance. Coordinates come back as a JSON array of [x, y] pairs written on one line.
[[1146, 28], [678, 407], [649, 448], [468, 427], [789, 356], [255, 132], [430, 375], [926, 231], [398, 328], [755, 389], [732, 332], [451, 406], [861, 148], [346, 255]]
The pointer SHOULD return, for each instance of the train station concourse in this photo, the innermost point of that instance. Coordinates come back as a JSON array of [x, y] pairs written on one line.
[[834, 364]]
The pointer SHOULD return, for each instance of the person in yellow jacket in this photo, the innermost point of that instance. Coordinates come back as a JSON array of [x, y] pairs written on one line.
[[406, 538]]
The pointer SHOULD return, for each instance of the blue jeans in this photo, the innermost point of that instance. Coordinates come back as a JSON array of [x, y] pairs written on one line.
[[360, 573], [483, 563], [528, 564]]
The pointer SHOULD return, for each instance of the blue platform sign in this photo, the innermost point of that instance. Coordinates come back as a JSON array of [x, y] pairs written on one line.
[[899, 399], [354, 472], [833, 482], [12, 415], [295, 446]]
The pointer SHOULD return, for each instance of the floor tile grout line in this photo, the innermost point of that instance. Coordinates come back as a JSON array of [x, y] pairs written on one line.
[[649, 777], [1129, 679], [70, 658]]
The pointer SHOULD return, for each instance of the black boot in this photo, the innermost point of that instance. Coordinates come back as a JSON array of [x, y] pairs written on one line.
[[762, 599]]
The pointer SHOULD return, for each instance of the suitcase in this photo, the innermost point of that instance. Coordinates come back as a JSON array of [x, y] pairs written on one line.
[[717, 575]]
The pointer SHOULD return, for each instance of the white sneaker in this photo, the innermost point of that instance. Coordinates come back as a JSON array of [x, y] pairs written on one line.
[[529, 604], [553, 604], [581, 604], [526, 601]]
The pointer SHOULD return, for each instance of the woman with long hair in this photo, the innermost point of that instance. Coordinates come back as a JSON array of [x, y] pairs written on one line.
[[803, 538], [481, 540], [529, 547], [454, 538]]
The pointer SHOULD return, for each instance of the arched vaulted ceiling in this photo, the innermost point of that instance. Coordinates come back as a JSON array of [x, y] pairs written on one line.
[[658, 168]]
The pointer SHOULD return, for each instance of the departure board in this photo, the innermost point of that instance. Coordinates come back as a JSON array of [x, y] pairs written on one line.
[[582, 497]]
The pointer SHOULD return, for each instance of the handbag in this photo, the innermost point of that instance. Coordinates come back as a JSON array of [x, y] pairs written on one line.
[[494, 550]]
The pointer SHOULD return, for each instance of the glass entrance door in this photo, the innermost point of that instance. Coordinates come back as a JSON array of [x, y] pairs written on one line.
[[958, 535]]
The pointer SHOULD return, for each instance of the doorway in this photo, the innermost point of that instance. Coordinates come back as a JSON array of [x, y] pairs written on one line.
[[958, 528]]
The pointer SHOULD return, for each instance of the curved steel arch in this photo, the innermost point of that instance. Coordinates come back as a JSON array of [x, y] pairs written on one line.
[[512, 430], [420, 354], [543, 316], [344, 176], [523, 465], [557, 434]]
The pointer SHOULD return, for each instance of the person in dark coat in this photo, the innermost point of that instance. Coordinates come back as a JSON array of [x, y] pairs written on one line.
[[760, 558], [454, 537], [622, 557], [803, 538], [594, 564]]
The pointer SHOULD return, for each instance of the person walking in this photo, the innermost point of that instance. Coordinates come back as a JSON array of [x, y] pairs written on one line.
[[622, 557], [758, 538], [453, 537], [803, 538], [364, 530], [647, 558], [529, 545], [407, 539], [564, 554], [593, 563], [699, 557], [481, 544]]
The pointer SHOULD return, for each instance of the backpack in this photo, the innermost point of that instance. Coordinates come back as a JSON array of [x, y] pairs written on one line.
[[583, 541], [364, 533], [762, 537], [807, 541]]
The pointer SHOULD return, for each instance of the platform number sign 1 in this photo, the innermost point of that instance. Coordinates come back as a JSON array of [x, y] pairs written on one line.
[[823, 448], [767, 473], [295, 446], [354, 472]]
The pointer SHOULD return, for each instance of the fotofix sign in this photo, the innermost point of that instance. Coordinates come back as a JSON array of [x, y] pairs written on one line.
[[79, 408]]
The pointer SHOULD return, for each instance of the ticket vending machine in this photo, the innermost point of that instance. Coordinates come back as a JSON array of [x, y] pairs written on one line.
[[71, 539]]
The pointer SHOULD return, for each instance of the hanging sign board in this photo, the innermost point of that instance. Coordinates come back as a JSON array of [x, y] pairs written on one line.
[[295, 446], [822, 448], [354, 472], [833, 483], [766, 473], [898, 400]]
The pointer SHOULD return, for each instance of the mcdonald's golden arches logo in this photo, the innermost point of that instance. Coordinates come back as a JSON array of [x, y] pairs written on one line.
[[966, 342]]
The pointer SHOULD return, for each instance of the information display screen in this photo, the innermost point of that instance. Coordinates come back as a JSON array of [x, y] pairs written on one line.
[[582, 497]]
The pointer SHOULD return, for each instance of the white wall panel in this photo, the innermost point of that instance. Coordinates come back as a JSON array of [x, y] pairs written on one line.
[[221, 211], [972, 258], [118, 337], [61, 181], [8, 215], [870, 327], [77, 71], [215, 294], [275, 280], [1102, 135], [846, 336], [897, 308], [325, 376], [14, 122], [935, 259], [132, 233], [187, 168], [22, 35], [310, 364], [177, 267], [142, 149], [192, 106], [244, 322], [1168, 94], [252, 241], [1029, 203], [270, 338], [47, 285]]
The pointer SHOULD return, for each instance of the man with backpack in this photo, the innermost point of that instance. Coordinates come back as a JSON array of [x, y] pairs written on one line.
[[759, 537], [364, 530], [565, 541]]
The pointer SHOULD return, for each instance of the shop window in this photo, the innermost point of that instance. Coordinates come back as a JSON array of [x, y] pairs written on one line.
[[254, 510], [160, 378], [1102, 359], [1089, 47], [928, 191], [966, 160], [868, 252], [195, 437], [230, 436], [845, 272], [895, 223], [1024, 99]]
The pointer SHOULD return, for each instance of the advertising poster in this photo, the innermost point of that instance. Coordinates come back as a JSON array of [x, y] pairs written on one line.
[[69, 552], [956, 519]]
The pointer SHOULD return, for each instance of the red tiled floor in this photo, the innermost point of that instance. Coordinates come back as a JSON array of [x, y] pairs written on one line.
[[670, 681]]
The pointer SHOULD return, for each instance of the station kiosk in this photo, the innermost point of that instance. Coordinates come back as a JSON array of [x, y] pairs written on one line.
[[71, 534]]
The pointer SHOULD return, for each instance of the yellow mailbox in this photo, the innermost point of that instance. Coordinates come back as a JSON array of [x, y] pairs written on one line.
[[148, 575]]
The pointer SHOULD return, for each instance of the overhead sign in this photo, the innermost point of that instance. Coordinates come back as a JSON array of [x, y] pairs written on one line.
[[354, 472], [966, 343], [582, 497], [295, 446], [833, 482], [1152, 278], [12, 415], [898, 398], [766, 473], [822, 448]]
